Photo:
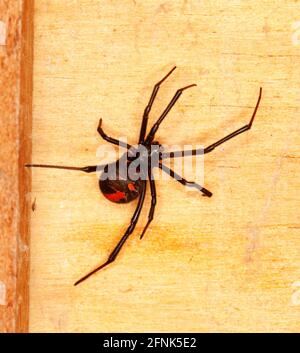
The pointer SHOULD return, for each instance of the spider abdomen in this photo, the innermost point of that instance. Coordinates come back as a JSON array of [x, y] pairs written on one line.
[[118, 187]]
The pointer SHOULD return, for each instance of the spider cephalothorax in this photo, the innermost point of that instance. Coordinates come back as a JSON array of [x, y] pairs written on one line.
[[127, 179]]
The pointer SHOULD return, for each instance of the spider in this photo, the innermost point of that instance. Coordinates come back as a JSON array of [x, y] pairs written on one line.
[[125, 188]]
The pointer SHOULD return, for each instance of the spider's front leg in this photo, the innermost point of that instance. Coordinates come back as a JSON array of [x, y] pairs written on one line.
[[219, 142], [155, 127], [122, 241], [149, 106]]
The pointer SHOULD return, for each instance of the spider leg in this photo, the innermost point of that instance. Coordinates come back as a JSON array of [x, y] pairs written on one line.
[[184, 181], [153, 201], [155, 127], [122, 241], [219, 142], [149, 106], [111, 139], [88, 169]]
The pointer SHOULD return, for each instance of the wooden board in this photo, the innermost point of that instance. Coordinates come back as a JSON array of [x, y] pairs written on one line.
[[229, 263], [16, 40]]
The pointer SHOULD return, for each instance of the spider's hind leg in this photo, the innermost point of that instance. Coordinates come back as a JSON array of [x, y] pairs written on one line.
[[184, 181], [122, 241]]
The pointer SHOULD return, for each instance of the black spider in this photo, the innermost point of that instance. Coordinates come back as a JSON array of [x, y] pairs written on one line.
[[120, 186]]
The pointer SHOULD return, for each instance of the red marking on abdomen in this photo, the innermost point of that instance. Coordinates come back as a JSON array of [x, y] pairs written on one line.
[[131, 187], [115, 197]]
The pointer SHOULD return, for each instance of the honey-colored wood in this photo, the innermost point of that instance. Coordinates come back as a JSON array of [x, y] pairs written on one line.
[[229, 263], [15, 145]]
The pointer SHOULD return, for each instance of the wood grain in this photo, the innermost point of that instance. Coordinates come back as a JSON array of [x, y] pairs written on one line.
[[229, 263], [15, 146]]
